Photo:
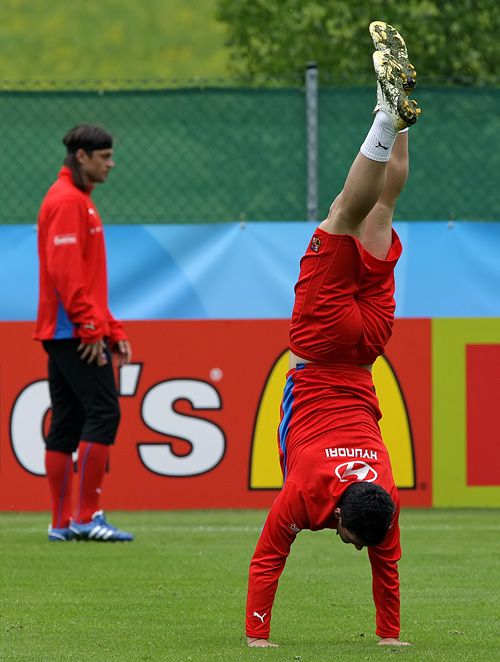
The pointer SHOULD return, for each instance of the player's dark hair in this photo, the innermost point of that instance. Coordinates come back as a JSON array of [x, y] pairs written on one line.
[[88, 137], [367, 511]]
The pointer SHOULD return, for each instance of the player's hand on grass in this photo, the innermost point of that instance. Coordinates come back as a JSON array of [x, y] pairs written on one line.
[[255, 642], [388, 641], [94, 351]]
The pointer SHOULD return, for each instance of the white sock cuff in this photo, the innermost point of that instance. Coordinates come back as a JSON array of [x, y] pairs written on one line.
[[378, 143]]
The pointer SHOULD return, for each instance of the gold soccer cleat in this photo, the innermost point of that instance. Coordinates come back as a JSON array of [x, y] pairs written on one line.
[[387, 39], [391, 96]]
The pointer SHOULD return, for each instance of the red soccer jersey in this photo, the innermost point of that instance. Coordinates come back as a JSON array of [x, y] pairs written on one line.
[[73, 298], [329, 437]]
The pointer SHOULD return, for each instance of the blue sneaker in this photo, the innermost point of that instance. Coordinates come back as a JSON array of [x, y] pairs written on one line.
[[99, 530], [60, 535]]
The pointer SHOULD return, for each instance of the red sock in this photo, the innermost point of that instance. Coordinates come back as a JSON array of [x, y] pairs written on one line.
[[92, 459], [59, 469]]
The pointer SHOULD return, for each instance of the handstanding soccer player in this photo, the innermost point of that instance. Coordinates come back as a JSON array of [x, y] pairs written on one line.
[[336, 468]]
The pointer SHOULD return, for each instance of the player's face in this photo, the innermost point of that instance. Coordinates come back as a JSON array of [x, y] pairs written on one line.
[[97, 165], [348, 537]]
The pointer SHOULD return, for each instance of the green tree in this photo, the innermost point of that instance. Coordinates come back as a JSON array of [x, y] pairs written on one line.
[[454, 41], [120, 42]]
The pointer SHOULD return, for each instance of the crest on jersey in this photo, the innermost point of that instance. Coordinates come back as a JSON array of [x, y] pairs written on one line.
[[315, 243]]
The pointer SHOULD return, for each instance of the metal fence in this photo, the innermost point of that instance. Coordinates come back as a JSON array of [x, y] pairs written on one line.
[[229, 153]]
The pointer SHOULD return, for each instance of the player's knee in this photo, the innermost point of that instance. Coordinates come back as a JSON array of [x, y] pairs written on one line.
[[341, 223]]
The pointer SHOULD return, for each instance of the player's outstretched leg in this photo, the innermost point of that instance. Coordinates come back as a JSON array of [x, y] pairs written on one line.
[[367, 177], [376, 236], [377, 226]]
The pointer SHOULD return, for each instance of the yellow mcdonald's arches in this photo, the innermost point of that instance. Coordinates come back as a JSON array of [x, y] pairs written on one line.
[[395, 423], [265, 472]]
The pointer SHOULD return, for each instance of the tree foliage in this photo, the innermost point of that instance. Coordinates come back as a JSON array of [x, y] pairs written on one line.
[[117, 41], [448, 40]]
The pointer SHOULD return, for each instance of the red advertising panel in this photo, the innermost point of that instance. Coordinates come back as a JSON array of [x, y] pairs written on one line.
[[483, 415], [190, 405], [409, 353]]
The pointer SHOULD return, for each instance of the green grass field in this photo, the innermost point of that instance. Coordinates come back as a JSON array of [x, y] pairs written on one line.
[[178, 592]]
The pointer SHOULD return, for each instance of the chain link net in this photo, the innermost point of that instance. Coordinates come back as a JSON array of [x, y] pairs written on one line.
[[225, 154]]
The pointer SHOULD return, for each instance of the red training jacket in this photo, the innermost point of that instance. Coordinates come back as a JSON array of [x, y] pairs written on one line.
[[73, 298], [329, 438]]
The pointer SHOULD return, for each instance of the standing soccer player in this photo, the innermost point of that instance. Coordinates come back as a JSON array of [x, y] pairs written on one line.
[[79, 334], [336, 468]]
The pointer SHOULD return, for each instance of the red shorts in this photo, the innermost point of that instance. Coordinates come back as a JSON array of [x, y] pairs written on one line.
[[344, 301]]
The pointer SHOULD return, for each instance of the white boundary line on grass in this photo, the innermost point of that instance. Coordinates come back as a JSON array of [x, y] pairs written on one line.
[[172, 528], [157, 529]]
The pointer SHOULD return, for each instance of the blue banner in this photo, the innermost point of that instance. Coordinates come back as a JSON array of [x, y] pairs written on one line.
[[247, 271]]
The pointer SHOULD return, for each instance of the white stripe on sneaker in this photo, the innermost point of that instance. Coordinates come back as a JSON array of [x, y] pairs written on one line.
[[96, 532]]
